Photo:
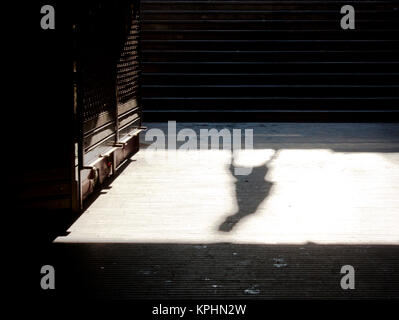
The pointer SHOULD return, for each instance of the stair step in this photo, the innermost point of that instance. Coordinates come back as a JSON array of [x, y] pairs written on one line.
[[158, 78], [263, 45], [357, 34], [262, 67], [279, 115], [268, 90], [264, 103], [151, 24], [264, 5], [268, 56], [273, 14]]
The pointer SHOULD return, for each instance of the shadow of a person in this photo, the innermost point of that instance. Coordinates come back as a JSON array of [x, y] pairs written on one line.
[[250, 191]]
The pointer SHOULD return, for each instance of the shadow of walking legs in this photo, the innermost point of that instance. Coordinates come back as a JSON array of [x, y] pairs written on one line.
[[250, 191]]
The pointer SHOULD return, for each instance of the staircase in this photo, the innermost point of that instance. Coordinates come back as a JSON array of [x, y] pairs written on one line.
[[283, 60]]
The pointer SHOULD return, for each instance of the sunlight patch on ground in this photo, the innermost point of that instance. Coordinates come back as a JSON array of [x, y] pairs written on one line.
[[292, 196]]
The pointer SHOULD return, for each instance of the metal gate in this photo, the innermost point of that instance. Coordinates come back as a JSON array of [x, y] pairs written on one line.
[[107, 89], [237, 60]]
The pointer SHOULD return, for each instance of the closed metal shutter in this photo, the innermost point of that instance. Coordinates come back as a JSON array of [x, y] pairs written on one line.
[[269, 60]]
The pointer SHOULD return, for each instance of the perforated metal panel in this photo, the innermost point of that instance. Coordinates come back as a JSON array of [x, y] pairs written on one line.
[[128, 68], [108, 65]]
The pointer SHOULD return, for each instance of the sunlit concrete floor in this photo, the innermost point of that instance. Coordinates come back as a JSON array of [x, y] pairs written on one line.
[[323, 183], [319, 196]]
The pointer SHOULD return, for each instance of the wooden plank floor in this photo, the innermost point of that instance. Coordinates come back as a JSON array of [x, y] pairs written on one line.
[[319, 196]]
